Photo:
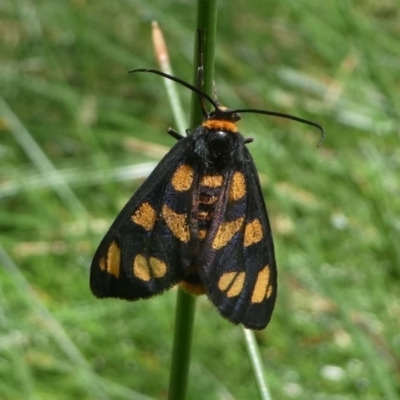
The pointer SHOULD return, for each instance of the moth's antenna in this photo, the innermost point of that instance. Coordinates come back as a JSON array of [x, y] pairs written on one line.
[[286, 116], [199, 92], [217, 106]]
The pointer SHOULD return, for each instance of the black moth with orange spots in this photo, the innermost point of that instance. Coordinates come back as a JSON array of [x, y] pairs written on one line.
[[198, 220]]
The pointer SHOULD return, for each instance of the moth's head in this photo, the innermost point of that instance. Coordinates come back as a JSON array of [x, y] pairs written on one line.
[[223, 113]]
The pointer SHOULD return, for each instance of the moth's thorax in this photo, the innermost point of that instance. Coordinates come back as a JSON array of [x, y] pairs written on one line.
[[217, 149]]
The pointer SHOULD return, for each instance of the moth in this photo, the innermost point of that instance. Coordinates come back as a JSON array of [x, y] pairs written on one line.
[[198, 220]]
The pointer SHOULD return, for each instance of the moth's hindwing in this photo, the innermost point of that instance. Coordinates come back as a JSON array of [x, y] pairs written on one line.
[[146, 249], [238, 265]]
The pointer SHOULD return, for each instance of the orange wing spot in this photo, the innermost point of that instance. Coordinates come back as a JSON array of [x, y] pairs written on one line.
[[183, 178], [145, 216], [158, 267], [145, 269], [226, 232], [269, 291], [237, 285], [226, 280], [253, 233], [238, 187], [176, 223], [141, 268], [220, 125], [232, 283], [262, 286], [212, 181], [113, 261]]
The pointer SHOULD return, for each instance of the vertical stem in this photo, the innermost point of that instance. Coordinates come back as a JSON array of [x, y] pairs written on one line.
[[185, 311], [256, 363], [207, 24], [185, 307]]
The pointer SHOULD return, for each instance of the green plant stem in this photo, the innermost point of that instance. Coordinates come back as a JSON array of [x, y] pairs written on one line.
[[207, 26], [256, 363], [185, 307], [185, 311]]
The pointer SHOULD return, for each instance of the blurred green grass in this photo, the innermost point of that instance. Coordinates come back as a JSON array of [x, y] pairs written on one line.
[[335, 210]]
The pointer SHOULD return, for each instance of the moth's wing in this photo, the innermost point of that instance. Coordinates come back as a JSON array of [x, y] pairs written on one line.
[[238, 266], [146, 248]]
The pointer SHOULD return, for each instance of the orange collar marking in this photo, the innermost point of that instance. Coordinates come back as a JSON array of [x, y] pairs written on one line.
[[220, 125]]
